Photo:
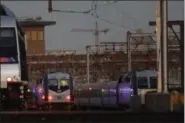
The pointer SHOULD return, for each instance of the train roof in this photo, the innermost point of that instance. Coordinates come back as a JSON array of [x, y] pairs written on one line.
[[57, 74], [6, 11], [7, 21], [146, 73], [141, 73]]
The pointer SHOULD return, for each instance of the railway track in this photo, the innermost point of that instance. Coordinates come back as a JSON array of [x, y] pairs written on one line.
[[88, 116]]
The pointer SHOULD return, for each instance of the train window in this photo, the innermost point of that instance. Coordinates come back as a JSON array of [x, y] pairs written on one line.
[[153, 82], [52, 82], [63, 82], [142, 82], [7, 37]]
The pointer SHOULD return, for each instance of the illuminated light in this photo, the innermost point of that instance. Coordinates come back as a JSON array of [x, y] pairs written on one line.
[[40, 90], [33, 90], [33, 106], [68, 97], [90, 89], [9, 79], [29, 90], [50, 97], [43, 97], [102, 90]]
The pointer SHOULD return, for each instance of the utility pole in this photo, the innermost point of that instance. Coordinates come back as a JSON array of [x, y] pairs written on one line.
[[162, 38], [165, 45], [96, 25], [158, 42]]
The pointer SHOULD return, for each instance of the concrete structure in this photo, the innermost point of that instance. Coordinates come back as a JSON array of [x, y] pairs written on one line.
[[34, 29]]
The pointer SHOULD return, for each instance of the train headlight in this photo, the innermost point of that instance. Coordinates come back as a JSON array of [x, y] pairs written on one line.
[[40, 90], [43, 97], [28, 90], [90, 89], [9, 79], [68, 97], [50, 97]]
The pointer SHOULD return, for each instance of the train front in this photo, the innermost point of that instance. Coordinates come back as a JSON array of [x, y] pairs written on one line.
[[10, 86], [58, 90]]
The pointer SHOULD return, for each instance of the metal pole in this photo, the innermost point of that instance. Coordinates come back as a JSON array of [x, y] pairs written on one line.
[[182, 54], [87, 52], [158, 42], [165, 46], [97, 36], [129, 52]]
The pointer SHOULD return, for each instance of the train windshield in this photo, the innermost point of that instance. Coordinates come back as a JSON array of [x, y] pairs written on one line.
[[153, 82], [8, 47], [142, 82], [64, 84], [7, 37], [52, 82]]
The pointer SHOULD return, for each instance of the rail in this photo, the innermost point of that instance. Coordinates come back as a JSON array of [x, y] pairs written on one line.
[[89, 116]]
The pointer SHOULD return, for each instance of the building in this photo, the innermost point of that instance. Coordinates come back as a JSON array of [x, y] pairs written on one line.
[[35, 31]]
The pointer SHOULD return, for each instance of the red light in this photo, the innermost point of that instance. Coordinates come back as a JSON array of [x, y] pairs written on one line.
[[68, 97], [9, 79], [40, 90], [33, 106], [43, 97], [50, 97]]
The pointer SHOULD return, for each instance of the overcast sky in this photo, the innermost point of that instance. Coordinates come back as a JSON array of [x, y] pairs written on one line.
[[121, 16]]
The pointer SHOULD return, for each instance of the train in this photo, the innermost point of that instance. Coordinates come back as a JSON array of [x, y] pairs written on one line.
[[55, 91], [13, 62], [117, 94]]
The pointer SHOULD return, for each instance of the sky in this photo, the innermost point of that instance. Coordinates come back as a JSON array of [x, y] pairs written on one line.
[[119, 17]]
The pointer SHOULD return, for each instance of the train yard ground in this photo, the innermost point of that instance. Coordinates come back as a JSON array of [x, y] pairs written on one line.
[[88, 116]]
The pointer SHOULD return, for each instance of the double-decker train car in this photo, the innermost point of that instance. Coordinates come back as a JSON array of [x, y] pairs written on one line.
[[116, 94], [55, 91], [13, 64]]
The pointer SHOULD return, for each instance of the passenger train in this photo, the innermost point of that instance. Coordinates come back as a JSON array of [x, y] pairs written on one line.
[[13, 64], [116, 94], [56, 89]]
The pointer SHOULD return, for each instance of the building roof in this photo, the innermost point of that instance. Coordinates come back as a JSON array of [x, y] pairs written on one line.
[[32, 22]]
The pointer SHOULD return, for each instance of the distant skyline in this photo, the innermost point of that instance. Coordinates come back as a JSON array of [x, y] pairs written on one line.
[[118, 17]]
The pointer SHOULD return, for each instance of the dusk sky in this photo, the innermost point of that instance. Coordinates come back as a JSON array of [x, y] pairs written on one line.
[[119, 17]]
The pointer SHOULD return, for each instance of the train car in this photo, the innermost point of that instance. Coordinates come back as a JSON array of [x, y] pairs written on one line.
[[96, 95], [56, 90], [13, 64], [136, 83], [116, 94]]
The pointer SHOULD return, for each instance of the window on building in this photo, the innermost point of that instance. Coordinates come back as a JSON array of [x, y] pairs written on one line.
[[40, 35], [28, 35], [33, 35]]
